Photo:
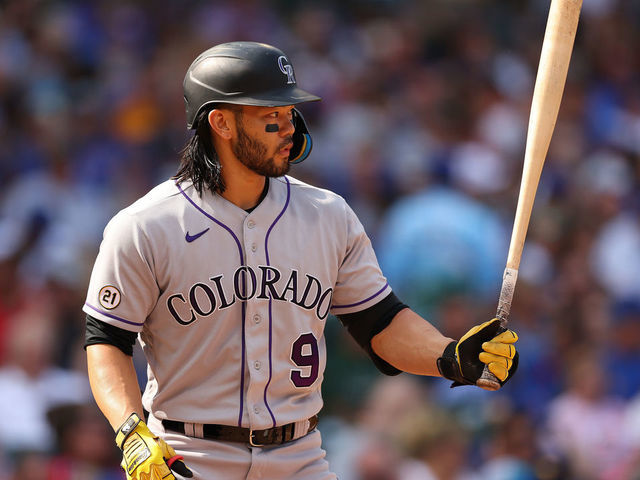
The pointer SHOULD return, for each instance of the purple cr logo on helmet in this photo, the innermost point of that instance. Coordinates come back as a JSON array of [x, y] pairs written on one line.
[[286, 68]]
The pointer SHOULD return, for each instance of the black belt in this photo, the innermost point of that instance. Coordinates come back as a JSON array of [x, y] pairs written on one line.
[[255, 438]]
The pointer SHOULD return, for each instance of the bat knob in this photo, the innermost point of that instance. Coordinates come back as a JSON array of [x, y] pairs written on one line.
[[488, 381], [488, 384]]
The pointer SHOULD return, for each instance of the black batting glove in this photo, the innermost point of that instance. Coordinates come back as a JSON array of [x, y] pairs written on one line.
[[487, 344]]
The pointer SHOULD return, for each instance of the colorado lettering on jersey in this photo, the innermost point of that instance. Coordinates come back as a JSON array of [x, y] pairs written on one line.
[[203, 299]]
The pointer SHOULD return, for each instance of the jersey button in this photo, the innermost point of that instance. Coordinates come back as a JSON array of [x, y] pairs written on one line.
[[257, 365], [254, 247], [251, 224], [256, 410], [257, 319]]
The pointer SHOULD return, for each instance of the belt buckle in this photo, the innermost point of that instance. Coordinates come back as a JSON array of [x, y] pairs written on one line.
[[251, 441]]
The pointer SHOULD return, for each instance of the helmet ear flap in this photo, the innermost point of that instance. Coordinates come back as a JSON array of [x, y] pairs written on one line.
[[302, 143]]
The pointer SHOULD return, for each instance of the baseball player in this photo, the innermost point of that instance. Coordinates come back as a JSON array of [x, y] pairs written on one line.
[[227, 274]]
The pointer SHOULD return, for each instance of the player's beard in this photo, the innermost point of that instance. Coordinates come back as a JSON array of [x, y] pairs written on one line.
[[253, 154]]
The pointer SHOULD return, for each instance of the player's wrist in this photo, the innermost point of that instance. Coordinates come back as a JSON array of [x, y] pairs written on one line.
[[127, 428], [448, 365]]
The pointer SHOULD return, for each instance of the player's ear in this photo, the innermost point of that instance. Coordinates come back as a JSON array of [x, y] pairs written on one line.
[[221, 123]]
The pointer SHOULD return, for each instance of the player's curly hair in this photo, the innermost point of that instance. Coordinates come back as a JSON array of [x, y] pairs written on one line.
[[199, 160]]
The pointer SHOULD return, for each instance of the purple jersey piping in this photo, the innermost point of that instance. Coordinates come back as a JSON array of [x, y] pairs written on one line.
[[113, 316], [365, 300], [266, 250], [243, 303]]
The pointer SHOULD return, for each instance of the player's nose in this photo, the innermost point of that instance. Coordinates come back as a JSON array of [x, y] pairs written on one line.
[[287, 129]]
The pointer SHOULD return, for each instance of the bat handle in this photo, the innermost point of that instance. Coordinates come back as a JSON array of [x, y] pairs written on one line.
[[488, 380]]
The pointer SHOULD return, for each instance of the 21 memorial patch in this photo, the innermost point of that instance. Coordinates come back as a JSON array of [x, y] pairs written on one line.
[[109, 297]]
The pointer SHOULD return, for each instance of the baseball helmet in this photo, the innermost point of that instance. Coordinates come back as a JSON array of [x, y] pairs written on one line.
[[247, 73]]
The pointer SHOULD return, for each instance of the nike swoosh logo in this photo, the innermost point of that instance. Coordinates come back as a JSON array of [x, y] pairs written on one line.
[[191, 238]]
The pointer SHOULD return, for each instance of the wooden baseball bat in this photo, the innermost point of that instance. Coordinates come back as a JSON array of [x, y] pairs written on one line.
[[550, 80]]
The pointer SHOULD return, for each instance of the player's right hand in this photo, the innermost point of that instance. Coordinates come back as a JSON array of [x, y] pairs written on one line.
[[146, 456], [487, 344]]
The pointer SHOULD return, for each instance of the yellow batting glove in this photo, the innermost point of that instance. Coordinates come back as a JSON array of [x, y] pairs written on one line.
[[486, 344], [498, 354], [145, 456]]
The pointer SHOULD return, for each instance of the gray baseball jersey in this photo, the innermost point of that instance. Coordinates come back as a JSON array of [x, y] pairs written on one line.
[[231, 306]]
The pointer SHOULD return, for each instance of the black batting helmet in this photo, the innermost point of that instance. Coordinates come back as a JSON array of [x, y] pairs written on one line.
[[246, 73]]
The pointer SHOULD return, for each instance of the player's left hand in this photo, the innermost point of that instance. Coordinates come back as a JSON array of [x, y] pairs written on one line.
[[145, 456], [486, 344]]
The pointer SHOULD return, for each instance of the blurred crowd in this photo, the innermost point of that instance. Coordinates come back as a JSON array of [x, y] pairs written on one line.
[[422, 129]]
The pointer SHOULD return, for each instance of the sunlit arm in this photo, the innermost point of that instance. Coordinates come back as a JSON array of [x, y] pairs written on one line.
[[411, 344], [114, 383]]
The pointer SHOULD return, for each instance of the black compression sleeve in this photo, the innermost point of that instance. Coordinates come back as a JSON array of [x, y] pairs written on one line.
[[366, 324], [97, 331]]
